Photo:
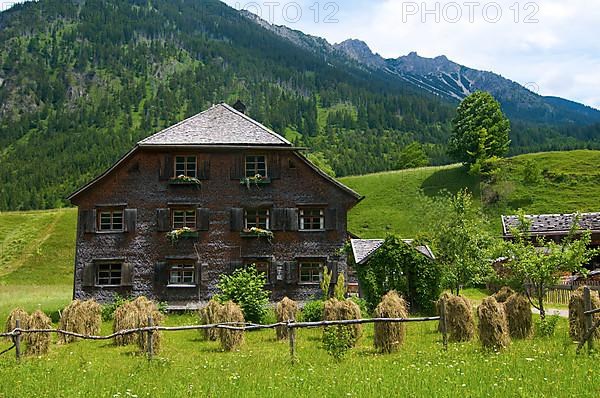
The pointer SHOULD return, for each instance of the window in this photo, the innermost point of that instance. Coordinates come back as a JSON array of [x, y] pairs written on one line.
[[257, 219], [262, 266], [184, 219], [108, 274], [312, 220], [256, 165], [185, 165], [182, 274], [110, 220], [310, 271]]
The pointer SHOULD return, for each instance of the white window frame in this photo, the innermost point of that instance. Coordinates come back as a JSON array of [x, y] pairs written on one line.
[[111, 223], [186, 270], [318, 263], [187, 170], [268, 218], [321, 220], [254, 171], [185, 218]]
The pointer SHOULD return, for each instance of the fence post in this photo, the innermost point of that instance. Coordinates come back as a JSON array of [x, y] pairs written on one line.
[[443, 324], [587, 306], [150, 333], [292, 337], [18, 340]]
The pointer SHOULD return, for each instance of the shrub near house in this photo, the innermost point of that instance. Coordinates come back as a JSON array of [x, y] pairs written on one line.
[[211, 194]]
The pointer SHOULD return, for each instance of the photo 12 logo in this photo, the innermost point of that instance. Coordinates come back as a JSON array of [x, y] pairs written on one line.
[[292, 12], [469, 11]]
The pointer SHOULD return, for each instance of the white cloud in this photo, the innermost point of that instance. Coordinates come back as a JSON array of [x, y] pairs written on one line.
[[560, 52]]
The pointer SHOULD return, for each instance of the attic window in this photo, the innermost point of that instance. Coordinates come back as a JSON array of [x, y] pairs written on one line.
[[185, 166], [256, 165]]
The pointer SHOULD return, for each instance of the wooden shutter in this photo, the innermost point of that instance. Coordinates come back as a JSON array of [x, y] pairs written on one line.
[[204, 272], [332, 265], [202, 219], [274, 166], [237, 171], [236, 219], [130, 219], [126, 274], [204, 169], [292, 219], [163, 220], [291, 272], [233, 265], [88, 278], [161, 273], [278, 219], [331, 219], [198, 273], [166, 167], [88, 220]]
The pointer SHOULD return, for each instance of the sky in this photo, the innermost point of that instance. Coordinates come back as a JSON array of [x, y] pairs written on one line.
[[550, 46]]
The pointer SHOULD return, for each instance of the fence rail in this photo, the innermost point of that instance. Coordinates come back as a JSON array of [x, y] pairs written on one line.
[[561, 294], [16, 333]]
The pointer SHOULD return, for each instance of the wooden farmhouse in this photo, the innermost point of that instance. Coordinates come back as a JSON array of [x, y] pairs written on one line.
[[199, 199]]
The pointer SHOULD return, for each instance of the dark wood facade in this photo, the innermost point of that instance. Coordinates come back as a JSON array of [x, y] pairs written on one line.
[[143, 261]]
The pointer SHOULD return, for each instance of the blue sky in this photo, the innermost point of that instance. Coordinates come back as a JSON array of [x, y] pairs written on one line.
[[551, 46]]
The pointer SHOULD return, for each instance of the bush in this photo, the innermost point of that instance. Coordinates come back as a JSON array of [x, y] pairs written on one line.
[[337, 340], [339, 290], [313, 311], [547, 327], [363, 305], [108, 310], [390, 336], [335, 310], [245, 287]]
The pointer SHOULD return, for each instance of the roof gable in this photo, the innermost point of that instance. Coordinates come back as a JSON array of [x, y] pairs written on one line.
[[363, 249], [219, 125]]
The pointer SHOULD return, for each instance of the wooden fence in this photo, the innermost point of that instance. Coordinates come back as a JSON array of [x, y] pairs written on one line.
[[291, 326], [561, 294]]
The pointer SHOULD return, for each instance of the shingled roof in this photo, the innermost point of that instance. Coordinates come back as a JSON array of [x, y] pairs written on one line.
[[363, 249], [219, 125], [553, 224]]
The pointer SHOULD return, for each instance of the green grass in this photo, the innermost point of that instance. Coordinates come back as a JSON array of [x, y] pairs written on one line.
[[188, 366], [568, 182]]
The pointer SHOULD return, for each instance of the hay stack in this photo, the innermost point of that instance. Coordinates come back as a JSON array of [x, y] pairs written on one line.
[[460, 323], [576, 316], [438, 307], [390, 336], [83, 317], [287, 310], [38, 343], [11, 321], [493, 328], [503, 294], [231, 340], [209, 315], [518, 315], [347, 309], [133, 315]]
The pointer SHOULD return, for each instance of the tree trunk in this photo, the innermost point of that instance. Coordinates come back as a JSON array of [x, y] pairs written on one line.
[[540, 298]]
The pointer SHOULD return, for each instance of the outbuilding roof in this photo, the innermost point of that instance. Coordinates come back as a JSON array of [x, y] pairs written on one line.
[[363, 249], [553, 224], [219, 125]]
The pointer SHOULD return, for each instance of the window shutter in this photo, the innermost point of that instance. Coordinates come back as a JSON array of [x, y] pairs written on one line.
[[126, 274], [198, 273], [233, 265], [161, 273], [202, 219], [88, 219], [204, 170], [89, 275], [274, 166], [162, 220], [292, 219], [332, 265], [278, 219], [331, 219], [236, 219], [204, 272], [130, 219], [291, 272], [166, 167], [238, 168]]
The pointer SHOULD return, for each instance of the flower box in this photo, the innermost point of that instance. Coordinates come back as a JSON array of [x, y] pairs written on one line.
[[185, 180], [257, 233], [184, 233], [256, 180]]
